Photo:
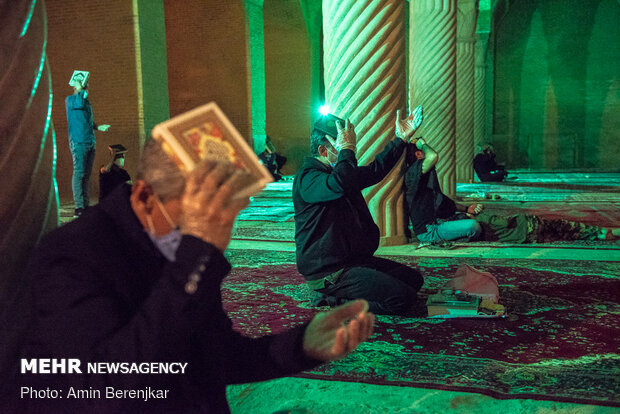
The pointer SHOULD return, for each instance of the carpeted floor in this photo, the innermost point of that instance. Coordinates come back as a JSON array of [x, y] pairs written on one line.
[[560, 340]]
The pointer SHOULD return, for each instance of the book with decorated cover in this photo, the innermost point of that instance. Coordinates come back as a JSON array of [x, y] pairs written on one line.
[[81, 75], [206, 133]]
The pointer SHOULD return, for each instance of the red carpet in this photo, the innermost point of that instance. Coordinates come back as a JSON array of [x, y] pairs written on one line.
[[559, 342]]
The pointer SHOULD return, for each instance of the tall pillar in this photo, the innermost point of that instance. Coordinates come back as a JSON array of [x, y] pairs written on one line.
[[151, 65], [364, 58], [432, 79], [314, 18], [479, 89], [29, 196], [467, 14], [256, 72]]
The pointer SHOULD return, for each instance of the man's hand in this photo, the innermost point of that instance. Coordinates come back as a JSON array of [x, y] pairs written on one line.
[[209, 203], [405, 128], [329, 336], [346, 136], [475, 209], [103, 127]]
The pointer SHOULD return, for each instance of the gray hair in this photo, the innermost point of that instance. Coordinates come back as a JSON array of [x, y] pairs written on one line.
[[160, 172]]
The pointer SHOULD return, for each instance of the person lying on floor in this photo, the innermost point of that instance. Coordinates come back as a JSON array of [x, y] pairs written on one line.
[[136, 281], [435, 217], [522, 228], [335, 235]]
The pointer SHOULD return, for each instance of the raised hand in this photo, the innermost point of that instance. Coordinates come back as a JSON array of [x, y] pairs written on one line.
[[405, 128], [333, 334], [475, 209], [346, 136]]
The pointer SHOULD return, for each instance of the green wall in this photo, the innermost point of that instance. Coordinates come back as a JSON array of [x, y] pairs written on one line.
[[557, 84]]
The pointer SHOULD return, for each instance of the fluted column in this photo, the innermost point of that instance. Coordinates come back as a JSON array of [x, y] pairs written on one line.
[[467, 14], [479, 89], [29, 197], [364, 58], [432, 79], [256, 72]]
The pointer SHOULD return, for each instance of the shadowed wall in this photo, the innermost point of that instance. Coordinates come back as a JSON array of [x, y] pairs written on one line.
[[557, 85], [287, 80], [98, 37]]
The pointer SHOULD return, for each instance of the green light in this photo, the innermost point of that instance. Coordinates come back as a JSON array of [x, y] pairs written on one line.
[[324, 109], [27, 22]]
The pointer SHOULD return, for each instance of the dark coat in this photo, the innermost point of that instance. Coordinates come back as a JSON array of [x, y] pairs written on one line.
[[333, 226], [425, 201], [103, 292]]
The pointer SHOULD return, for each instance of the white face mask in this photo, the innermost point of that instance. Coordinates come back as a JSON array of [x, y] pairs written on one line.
[[168, 243], [332, 164]]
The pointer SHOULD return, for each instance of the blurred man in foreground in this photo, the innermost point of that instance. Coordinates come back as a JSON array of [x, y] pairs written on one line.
[[136, 279]]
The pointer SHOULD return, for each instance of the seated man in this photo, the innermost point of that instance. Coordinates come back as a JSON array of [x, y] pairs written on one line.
[[113, 174], [272, 160], [335, 235], [432, 213], [137, 280], [487, 168]]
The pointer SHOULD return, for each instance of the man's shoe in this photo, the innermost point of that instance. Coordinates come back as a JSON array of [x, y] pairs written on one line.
[[78, 212]]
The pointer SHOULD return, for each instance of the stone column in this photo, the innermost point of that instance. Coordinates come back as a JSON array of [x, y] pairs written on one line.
[[256, 72], [467, 14], [432, 79], [29, 196], [479, 89], [151, 65], [364, 59]]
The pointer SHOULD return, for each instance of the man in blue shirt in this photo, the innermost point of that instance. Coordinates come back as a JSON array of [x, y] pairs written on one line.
[[81, 142]]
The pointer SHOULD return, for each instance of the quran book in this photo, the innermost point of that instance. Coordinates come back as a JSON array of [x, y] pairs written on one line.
[[82, 75], [206, 133]]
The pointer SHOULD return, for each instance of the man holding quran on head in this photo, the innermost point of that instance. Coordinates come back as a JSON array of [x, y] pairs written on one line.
[[335, 235], [81, 128], [137, 279]]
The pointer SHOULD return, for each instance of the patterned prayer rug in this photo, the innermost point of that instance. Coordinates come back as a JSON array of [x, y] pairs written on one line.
[[559, 342]]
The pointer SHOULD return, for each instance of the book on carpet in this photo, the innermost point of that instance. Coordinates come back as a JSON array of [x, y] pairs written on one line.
[[206, 133], [458, 304]]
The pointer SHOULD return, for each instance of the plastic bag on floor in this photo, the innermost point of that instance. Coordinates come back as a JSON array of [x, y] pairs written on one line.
[[474, 282]]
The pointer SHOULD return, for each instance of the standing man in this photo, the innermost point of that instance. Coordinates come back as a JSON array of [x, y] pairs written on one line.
[[335, 235], [81, 142]]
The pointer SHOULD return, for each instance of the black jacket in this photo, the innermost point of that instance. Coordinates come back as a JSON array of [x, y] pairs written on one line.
[[425, 201], [102, 292], [333, 226], [108, 181]]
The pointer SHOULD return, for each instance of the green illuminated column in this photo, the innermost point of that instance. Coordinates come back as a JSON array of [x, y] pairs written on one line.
[[432, 79], [467, 14], [256, 72], [151, 65], [479, 89], [29, 196], [364, 59]]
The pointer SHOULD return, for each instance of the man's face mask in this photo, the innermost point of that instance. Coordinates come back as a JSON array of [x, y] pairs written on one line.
[[168, 243], [334, 154]]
